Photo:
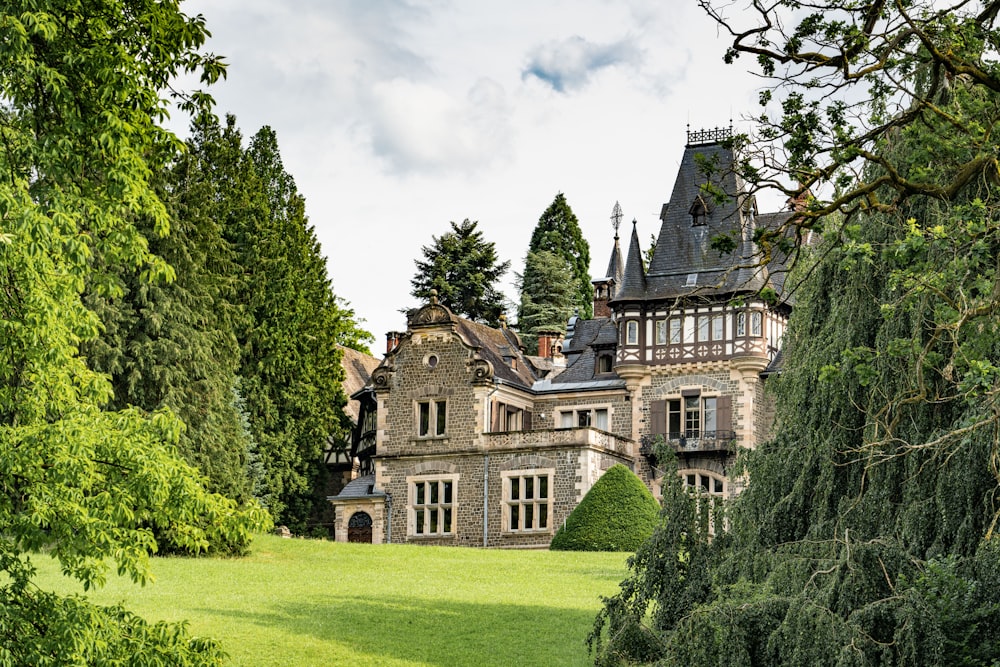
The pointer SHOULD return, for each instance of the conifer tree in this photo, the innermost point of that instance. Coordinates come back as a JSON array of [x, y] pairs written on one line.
[[463, 268], [545, 275], [558, 232], [290, 374], [172, 344]]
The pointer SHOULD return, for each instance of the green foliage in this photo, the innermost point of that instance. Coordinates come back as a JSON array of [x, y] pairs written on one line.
[[558, 232], [173, 344], [865, 535], [290, 377], [91, 485], [545, 275], [462, 266], [617, 514]]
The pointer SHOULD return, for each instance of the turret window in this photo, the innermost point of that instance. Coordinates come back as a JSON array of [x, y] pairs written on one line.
[[631, 332], [755, 323]]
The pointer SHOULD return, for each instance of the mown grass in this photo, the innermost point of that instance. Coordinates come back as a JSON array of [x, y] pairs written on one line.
[[306, 602]]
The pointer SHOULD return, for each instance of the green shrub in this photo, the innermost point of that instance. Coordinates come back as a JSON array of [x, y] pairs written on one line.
[[617, 514]]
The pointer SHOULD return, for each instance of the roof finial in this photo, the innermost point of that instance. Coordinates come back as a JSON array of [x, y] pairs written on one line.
[[616, 217], [434, 296]]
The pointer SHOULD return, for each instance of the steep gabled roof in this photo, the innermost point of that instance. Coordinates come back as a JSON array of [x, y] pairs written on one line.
[[499, 347], [590, 338], [708, 200], [358, 368]]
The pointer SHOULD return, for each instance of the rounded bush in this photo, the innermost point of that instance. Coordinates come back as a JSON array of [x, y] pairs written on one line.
[[617, 514]]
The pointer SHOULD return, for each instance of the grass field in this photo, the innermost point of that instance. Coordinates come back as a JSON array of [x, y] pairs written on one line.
[[306, 602]]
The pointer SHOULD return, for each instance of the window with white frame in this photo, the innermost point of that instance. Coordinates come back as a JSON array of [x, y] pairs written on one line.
[[632, 332], [527, 500], [432, 505], [741, 324], [676, 324], [692, 416], [718, 330], [703, 324], [661, 332], [583, 417], [432, 418], [755, 323], [710, 488]]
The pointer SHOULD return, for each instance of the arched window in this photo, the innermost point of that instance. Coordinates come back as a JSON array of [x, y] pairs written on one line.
[[699, 211]]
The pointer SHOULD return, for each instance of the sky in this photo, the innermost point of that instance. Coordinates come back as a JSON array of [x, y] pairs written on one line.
[[396, 117]]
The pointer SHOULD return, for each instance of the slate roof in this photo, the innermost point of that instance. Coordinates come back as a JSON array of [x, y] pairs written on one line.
[[498, 346], [616, 268], [358, 368], [589, 337], [362, 487], [684, 264]]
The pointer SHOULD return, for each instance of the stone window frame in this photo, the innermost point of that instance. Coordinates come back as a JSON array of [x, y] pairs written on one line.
[[694, 481], [694, 414], [591, 410], [435, 427], [522, 503], [440, 507]]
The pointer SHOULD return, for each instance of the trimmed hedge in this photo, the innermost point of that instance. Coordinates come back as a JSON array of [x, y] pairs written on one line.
[[617, 514]]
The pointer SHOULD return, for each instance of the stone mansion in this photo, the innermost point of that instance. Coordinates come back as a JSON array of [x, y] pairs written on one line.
[[463, 439]]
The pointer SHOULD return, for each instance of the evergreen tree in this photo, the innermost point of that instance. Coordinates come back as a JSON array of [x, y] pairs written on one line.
[[545, 274], [865, 535], [172, 344], [463, 268], [558, 232], [290, 374]]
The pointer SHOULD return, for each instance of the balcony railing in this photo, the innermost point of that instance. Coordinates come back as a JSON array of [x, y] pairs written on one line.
[[691, 441]]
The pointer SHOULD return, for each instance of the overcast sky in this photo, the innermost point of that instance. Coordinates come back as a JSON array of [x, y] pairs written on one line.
[[397, 117]]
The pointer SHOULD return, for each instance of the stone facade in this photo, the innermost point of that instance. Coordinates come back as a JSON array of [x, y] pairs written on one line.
[[479, 445]]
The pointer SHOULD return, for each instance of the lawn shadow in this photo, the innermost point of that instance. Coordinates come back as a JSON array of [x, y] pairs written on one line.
[[434, 631]]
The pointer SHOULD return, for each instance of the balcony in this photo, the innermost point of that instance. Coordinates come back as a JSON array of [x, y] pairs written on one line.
[[691, 442], [561, 437]]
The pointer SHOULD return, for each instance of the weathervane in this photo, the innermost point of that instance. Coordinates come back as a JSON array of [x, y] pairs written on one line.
[[616, 218]]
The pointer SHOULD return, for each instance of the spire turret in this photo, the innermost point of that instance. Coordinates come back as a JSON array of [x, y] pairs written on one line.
[[633, 285]]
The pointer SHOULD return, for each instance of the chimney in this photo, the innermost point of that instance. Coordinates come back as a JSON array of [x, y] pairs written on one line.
[[392, 341], [602, 294], [549, 343]]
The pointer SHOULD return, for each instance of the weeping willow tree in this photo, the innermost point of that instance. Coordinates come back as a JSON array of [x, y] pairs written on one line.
[[867, 534]]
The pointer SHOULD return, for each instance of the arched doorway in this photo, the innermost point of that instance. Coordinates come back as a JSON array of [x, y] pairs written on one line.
[[359, 528]]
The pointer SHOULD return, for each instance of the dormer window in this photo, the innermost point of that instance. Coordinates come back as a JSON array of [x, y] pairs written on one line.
[[604, 363], [699, 212]]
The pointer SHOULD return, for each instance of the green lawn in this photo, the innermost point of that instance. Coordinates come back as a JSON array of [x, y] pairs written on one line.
[[306, 602]]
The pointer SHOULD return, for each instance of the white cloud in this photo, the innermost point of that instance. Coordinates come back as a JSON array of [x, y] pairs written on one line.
[[569, 64], [419, 127]]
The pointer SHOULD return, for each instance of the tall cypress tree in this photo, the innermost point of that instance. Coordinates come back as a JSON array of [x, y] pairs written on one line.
[[558, 232], [290, 372]]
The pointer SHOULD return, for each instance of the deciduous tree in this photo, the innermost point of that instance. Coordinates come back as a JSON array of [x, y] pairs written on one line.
[[80, 97]]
